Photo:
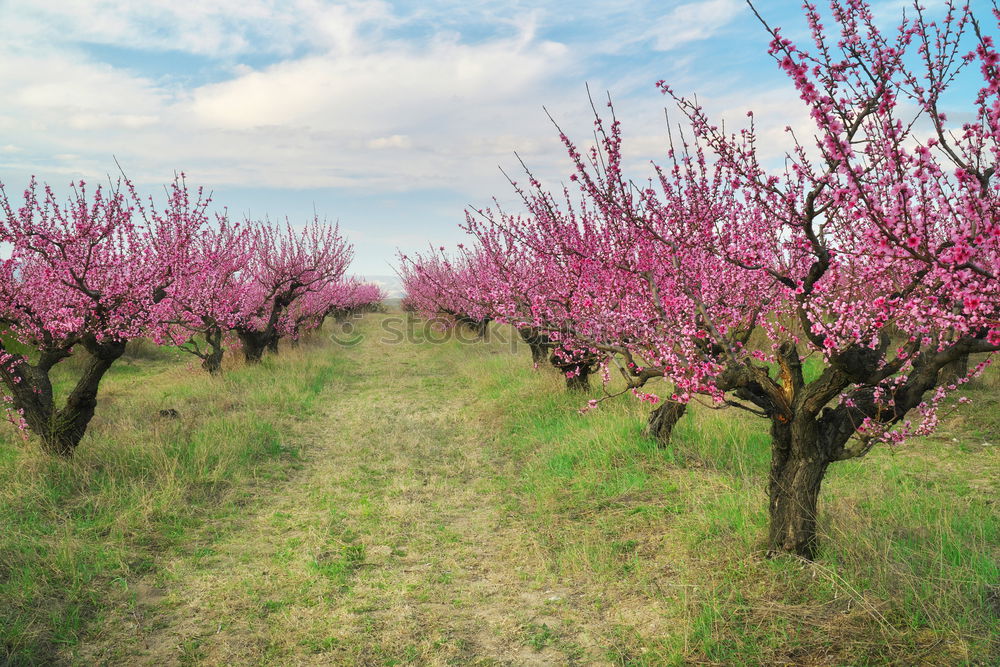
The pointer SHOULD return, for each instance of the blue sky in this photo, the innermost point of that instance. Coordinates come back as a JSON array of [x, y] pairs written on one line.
[[389, 116]]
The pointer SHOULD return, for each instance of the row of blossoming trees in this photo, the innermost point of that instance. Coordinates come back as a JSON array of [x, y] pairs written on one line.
[[873, 251], [87, 275]]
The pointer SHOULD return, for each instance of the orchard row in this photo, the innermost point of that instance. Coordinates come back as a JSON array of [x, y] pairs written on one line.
[[837, 293], [109, 266]]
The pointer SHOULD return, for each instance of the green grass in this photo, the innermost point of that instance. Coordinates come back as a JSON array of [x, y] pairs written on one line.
[[457, 507], [908, 567], [139, 484]]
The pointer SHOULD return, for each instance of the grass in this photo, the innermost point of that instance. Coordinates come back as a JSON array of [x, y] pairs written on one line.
[[139, 485], [908, 569], [415, 503]]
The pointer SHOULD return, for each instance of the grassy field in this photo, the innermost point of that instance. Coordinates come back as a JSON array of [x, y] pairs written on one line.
[[77, 537], [402, 502]]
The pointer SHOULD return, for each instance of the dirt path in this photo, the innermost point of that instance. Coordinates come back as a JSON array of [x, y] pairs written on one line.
[[390, 546]]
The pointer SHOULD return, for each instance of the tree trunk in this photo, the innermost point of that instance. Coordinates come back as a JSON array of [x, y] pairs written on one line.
[[479, 327], [537, 342], [60, 430], [254, 343], [538, 352], [482, 328], [580, 380], [212, 363], [212, 360], [797, 470], [662, 421], [576, 367]]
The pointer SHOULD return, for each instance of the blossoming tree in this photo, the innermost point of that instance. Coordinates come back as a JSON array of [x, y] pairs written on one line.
[[85, 275], [503, 278], [438, 286], [883, 241], [214, 298], [872, 256], [341, 299], [287, 264]]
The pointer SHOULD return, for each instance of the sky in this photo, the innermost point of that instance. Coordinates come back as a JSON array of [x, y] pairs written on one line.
[[389, 117]]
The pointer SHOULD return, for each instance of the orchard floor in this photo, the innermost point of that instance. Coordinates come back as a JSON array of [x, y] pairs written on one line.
[[390, 545], [451, 508]]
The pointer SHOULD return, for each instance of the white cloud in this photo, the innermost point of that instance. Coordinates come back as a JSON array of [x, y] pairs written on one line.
[[393, 141], [216, 28], [354, 95], [361, 112], [692, 22], [97, 121], [368, 91]]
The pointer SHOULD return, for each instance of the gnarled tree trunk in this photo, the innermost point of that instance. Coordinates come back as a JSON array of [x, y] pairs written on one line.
[[211, 361], [537, 342], [254, 343], [662, 421], [576, 367], [798, 465], [31, 389], [809, 430]]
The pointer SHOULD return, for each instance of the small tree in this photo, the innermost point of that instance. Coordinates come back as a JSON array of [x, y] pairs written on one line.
[[90, 274], [214, 297], [285, 266], [884, 244], [441, 287], [503, 279], [341, 299], [352, 297]]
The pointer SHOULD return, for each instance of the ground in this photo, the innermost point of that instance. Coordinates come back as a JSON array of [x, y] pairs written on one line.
[[445, 504]]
